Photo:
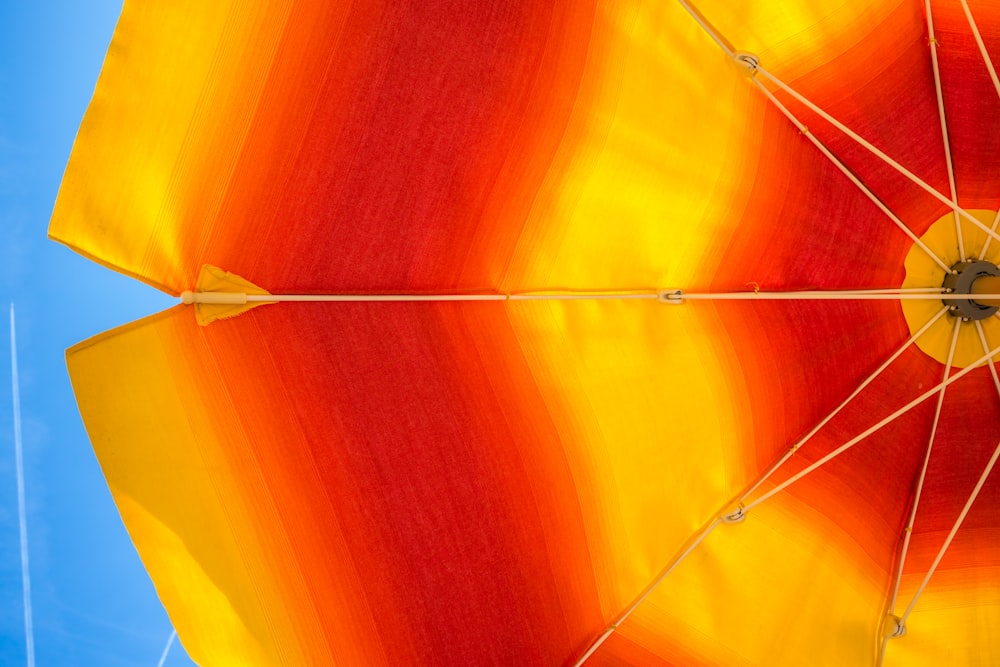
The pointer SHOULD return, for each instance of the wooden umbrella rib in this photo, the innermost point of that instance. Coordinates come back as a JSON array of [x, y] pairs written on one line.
[[932, 41], [916, 180], [985, 344], [982, 46], [823, 422], [920, 294], [850, 175], [951, 534], [671, 566], [876, 427], [908, 530], [670, 296], [709, 29], [989, 237]]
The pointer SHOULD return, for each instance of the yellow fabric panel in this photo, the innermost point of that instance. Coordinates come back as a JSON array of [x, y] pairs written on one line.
[[647, 141], [99, 368], [211, 547], [165, 175], [622, 380]]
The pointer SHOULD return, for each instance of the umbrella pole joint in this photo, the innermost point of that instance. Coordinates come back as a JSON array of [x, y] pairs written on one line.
[[969, 279]]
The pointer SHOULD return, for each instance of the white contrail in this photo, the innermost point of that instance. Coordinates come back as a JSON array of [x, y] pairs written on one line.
[[29, 637], [166, 649]]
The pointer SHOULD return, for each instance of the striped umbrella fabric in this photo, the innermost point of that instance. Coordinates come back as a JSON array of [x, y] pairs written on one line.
[[509, 440]]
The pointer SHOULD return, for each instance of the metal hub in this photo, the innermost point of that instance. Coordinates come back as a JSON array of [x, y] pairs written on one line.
[[959, 283]]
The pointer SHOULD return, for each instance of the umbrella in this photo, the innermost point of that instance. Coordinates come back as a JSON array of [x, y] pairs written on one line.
[[561, 407]]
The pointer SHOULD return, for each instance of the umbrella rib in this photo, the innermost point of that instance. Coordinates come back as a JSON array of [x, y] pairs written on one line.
[[916, 180], [239, 298], [909, 294], [613, 626], [823, 422], [524, 296], [851, 175], [982, 46], [667, 296], [993, 367], [872, 429], [452, 297], [951, 533], [932, 40], [989, 237], [716, 36], [908, 530]]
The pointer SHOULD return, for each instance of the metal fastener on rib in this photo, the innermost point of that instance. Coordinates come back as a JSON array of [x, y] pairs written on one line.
[[748, 61], [737, 516], [894, 626], [672, 296]]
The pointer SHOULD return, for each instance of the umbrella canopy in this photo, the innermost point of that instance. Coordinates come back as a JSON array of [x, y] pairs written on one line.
[[522, 480]]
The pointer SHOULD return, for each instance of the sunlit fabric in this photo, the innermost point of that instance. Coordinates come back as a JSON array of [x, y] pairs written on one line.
[[497, 482]]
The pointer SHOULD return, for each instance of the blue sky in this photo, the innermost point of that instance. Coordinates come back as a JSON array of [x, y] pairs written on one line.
[[92, 601]]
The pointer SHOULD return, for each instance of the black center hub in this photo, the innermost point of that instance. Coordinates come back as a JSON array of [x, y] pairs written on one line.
[[959, 284]]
